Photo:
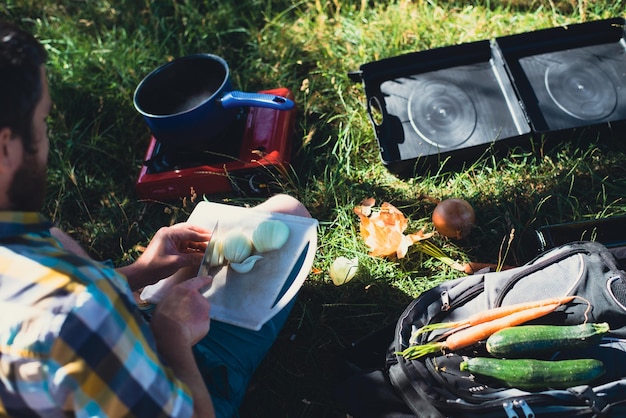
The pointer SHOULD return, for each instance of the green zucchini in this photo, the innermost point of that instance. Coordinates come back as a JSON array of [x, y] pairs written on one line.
[[535, 374], [533, 340]]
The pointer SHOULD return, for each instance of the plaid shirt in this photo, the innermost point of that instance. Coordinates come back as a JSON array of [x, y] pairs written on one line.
[[72, 341]]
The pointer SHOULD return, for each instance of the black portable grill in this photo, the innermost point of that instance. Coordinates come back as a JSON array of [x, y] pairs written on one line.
[[453, 103]]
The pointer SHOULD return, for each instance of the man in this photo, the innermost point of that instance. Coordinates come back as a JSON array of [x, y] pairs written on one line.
[[72, 340]]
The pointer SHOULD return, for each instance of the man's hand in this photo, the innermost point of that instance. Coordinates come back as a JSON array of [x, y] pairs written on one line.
[[172, 248], [183, 314], [175, 247], [179, 321]]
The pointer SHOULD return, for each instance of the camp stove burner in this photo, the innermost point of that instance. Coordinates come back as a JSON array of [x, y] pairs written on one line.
[[579, 92], [449, 105], [442, 113], [246, 158], [222, 149], [577, 87], [429, 109]]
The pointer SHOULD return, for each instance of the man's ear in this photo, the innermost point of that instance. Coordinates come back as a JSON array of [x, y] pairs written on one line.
[[10, 150]]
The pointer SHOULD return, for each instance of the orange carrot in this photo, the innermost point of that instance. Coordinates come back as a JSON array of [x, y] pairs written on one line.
[[472, 267], [491, 314], [469, 336], [502, 311]]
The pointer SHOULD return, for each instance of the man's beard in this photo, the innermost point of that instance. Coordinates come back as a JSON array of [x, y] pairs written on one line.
[[27, 192]]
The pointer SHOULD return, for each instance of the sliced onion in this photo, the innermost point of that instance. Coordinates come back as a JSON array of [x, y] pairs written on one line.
[[246, 265], [236, 246], [270, 235]]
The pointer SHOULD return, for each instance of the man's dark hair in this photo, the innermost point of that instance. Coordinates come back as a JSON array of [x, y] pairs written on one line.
[[21, 58]]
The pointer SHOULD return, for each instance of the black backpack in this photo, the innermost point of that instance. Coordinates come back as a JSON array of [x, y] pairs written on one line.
[[435, 387]]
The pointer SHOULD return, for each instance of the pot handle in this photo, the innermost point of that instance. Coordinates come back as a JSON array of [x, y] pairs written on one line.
[[236, 98]]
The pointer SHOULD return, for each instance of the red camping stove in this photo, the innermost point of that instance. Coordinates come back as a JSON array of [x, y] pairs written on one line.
[[246, 158]]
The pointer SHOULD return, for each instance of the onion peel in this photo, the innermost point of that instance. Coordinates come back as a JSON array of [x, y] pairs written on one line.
[[383, 230]]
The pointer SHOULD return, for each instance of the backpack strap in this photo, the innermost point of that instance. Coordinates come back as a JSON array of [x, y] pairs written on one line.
[[417, 400], [597, 405]]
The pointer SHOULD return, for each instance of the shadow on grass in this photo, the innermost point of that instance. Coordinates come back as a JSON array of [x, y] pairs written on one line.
[[297, 376]]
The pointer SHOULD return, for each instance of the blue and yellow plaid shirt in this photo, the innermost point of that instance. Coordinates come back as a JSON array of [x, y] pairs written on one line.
[[72, 341]]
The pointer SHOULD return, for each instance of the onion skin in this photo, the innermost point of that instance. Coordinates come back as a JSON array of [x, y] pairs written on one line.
[[454, 218]]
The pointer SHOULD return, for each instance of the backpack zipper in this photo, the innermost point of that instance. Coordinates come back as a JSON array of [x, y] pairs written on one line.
[[469, 294], [509, 409], [520, 403], [511, 406], [447, 304], [515, 408], [445, 301]]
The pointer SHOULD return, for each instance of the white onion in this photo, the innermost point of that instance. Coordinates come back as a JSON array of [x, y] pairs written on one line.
[[236, 246], [246, 265], [270, 235]]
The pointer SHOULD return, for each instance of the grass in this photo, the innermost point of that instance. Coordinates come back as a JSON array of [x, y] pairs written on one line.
[[101, 49]]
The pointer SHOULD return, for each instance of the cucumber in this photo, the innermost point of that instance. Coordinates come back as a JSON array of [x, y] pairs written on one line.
[[535, 374], [533, 340]]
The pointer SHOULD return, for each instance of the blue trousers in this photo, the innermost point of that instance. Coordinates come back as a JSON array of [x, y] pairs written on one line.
[[228, 355]]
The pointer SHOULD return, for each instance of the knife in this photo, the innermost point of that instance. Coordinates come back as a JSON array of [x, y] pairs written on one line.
[[205, 266]]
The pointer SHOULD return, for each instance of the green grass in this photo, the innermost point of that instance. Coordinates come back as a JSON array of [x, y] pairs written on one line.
[[101, 49]]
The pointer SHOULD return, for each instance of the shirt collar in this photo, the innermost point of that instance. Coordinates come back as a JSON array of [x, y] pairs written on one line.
[[18, 223]]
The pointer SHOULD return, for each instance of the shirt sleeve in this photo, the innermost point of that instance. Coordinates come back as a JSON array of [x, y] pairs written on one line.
[[105, 362]]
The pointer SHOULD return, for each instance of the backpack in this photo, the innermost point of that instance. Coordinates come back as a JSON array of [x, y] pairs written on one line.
[[434, 386]]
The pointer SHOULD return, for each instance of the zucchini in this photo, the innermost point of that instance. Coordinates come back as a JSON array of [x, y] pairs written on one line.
[[532, 340], [535, 374]]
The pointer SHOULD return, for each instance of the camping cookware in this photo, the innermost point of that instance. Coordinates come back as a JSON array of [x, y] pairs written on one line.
[[191, 100]]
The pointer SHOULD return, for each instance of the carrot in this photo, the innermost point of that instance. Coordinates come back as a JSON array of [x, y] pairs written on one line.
[[491, 314], [503, 311], [472, 267], [469, 336]]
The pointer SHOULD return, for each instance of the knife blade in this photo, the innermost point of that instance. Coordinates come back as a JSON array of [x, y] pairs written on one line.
[[206, 267]]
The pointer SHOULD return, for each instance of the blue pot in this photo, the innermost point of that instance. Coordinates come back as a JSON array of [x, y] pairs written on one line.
[[190, 100]]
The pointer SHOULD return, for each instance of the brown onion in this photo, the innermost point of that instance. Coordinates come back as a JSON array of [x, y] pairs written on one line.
[[454, 218]]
